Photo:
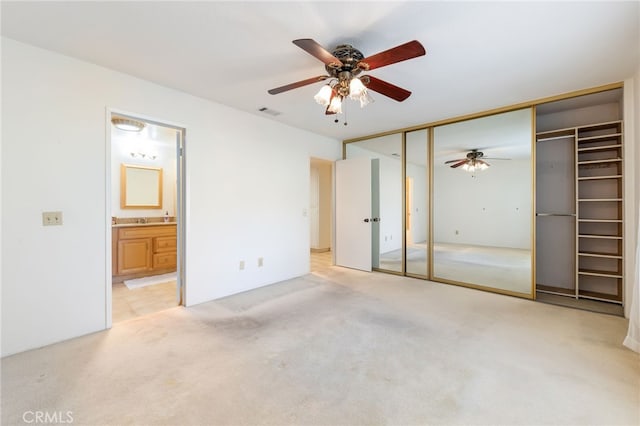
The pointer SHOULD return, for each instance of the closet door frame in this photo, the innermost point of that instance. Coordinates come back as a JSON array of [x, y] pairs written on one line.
[[429, 126]]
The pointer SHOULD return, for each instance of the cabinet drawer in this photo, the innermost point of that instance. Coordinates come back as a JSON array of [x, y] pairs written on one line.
[[164, 260], [162, 244], [146, 232]]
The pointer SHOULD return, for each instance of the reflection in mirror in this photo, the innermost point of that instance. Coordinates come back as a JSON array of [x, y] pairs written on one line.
[[140, 187], [386, 198], [482, 216], [416, 196]]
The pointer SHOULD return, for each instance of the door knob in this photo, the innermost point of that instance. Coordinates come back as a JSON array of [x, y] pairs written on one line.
[[366, 220], [376, 219]]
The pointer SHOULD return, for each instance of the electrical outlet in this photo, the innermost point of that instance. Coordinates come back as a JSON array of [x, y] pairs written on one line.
[[260, 262], [51, 218], [242, 265]]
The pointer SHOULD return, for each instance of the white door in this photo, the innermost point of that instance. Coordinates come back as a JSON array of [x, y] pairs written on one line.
[[353, 213]]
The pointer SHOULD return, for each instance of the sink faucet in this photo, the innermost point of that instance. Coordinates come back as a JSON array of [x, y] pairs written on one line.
[[142, 220]]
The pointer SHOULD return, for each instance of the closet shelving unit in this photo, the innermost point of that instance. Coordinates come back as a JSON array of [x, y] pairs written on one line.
[[598, 211]]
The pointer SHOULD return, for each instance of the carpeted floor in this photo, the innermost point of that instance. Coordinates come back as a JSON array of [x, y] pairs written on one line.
[[339, 347]]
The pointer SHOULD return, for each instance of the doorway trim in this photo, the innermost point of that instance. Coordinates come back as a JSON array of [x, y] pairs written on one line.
[[181, 132]]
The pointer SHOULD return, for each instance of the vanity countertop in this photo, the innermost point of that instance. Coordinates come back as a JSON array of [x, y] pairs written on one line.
[[128, 225]]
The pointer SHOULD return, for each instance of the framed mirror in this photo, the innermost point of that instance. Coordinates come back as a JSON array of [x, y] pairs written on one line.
[[483, 203], [140, 187]]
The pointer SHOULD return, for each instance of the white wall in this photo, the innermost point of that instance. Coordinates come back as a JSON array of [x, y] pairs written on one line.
[[491, 209], [247, 185], [122, 144]]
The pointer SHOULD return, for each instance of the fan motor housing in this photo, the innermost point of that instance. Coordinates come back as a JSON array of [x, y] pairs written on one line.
[[349, 56]]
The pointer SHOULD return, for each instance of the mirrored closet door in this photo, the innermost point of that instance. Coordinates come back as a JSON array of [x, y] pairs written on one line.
[[417, 203], [386, 199], [482, 203]]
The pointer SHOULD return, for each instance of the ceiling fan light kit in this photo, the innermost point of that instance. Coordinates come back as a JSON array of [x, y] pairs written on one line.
[[343, 65], [472, 162], [475, 165]]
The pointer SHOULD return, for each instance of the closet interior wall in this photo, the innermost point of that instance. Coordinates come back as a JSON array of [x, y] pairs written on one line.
[[579, 198]]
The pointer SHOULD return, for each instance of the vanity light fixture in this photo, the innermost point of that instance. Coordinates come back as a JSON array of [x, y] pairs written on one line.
[[143, 155], [127, 124]]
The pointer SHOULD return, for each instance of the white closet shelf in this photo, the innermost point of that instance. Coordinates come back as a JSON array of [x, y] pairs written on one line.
[[600, 220], [608, 160], [600, 177], [600, 148], [601, 237], [587, 200], [599, 137], [560, 133], [595, 273], [603, 255], [603, 297]]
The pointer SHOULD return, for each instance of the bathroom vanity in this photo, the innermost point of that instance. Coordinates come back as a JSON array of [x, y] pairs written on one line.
[[143, 249]]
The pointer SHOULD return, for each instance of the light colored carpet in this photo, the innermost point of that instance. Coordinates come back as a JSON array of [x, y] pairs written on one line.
[[151, 280], [339, 347], [494, 267]]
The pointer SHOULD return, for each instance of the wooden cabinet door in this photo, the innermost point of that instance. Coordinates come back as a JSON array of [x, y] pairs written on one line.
[[134, 255]]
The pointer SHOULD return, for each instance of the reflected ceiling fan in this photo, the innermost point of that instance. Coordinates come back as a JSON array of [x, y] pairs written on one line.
[[473, 161], [343, 64]]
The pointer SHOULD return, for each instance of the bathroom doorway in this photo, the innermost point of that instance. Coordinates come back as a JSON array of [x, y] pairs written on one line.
[[320, 213], [146, 211]]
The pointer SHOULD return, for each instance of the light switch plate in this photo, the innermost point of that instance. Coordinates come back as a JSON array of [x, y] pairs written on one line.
[[51, 218]]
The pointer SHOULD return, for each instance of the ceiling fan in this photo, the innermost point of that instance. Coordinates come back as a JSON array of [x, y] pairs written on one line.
[[343, 64], [473, 161]]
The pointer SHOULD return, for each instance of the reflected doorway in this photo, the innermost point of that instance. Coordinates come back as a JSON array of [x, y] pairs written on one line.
[[320, 213]]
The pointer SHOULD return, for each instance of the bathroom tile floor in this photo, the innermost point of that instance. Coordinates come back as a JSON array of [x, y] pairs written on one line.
[[128, 304]]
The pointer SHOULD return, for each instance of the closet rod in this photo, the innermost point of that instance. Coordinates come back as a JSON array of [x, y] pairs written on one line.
[[556, 214]]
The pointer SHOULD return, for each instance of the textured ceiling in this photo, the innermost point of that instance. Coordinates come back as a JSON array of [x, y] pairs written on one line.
[[480, 55]]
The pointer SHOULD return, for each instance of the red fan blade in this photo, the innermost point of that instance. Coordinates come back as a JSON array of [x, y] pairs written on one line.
[[459, 164], [455, 161], [387, 89], [314, 49], [297, 84], [400, 53]]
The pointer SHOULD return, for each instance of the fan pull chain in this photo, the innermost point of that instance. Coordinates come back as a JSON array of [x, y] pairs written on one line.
[[344, 106]]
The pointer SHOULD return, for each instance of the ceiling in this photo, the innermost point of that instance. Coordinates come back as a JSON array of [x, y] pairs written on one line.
[[480, 55]]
